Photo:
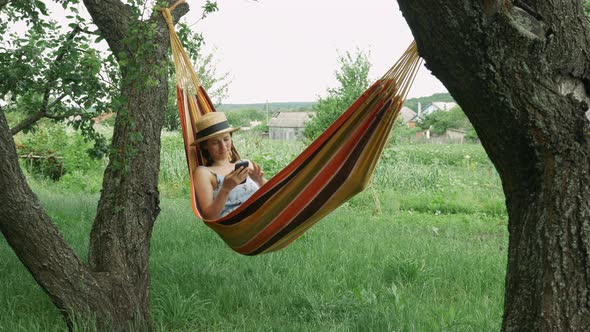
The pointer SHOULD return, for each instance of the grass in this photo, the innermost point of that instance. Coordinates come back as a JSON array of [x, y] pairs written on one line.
[[352, 272], [423, 249]]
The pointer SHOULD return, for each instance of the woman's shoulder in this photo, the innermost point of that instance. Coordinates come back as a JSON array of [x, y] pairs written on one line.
[[203, 171]]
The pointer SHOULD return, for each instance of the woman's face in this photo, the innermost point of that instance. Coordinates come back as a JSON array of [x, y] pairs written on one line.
[[219, 146]]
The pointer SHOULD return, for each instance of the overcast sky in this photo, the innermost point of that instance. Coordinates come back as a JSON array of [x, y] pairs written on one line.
[[286, 50]]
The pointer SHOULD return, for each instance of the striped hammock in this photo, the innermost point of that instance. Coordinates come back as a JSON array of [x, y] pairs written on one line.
[[332, 169]]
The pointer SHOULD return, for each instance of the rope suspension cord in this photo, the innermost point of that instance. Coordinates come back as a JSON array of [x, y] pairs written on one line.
[[332, 169]]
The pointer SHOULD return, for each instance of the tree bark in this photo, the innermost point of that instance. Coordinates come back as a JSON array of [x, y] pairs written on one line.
[[520, 71], [113, 289]]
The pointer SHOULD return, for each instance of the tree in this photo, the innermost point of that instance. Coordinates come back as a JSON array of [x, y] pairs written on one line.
[[519, 70], [243, 117], [49, 74], [442, 120], [111, 289], [353, 78], [424, 101]]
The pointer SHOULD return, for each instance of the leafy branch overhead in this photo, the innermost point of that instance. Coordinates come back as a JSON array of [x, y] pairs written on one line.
[[55, 75], [60, 74]]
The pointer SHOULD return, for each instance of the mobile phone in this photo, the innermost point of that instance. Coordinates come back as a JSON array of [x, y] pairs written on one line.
[[242, 163]]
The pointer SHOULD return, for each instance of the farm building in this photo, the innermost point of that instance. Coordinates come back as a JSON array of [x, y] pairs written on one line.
[[455, 135], [438, 106], [431, 108], [406, 114], [288, 126]]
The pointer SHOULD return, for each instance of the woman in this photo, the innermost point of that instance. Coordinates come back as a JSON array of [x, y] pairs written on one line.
[[220, 187]]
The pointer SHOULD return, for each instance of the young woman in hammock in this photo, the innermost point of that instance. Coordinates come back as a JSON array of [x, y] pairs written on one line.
[[221, 186]]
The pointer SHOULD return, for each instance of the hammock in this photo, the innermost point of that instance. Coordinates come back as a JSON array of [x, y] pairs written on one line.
[[332, 169]]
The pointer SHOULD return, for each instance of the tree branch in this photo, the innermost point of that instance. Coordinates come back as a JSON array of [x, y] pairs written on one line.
[[62, 116], [28, 122], [53, 103]]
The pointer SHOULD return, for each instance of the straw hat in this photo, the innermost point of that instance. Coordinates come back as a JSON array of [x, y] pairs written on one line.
[[211, 124]]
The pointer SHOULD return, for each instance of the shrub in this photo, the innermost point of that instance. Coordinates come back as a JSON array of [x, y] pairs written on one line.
[[441, 121], [53, 151]]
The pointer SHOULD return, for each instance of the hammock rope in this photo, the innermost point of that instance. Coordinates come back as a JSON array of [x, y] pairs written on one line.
[[332, 169]]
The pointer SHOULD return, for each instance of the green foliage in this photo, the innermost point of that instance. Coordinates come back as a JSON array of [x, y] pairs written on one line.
[[442, 120], [424, 101], [139, 74], [51, 152], [260, 129], [587, 9], [353, 78], [401, 133], [48, 73], [244, 117], [30, 12], [471, 135]]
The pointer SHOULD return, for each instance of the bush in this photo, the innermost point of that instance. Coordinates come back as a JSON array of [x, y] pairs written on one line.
[[53, 152], [242, 118], [441, 121], [401, 133]]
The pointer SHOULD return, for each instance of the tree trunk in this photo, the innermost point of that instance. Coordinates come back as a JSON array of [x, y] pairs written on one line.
[[113, 290], [520, 71]]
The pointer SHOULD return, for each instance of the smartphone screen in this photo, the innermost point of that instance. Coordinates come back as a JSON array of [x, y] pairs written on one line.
[[242, 163]]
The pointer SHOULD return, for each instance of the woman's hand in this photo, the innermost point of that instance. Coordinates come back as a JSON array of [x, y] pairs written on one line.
[[234, 178], [256, 174]]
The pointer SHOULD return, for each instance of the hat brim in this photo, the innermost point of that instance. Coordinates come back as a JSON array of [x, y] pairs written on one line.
[[227, 130]]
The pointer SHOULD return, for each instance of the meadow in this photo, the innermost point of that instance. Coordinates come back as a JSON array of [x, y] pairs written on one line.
[[423, 248]]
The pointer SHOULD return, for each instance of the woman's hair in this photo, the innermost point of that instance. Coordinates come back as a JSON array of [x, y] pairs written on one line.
[[205, 153]]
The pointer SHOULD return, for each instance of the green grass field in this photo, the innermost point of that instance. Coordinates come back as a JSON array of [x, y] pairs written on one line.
[[422, 249]]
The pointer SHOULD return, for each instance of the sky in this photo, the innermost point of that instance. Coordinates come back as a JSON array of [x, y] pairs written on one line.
[[287, 50]]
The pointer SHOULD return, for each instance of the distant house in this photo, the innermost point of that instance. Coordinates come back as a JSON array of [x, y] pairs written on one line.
[[438, 106], [432, 108], [288, 126], [406, 114], [455, 135]]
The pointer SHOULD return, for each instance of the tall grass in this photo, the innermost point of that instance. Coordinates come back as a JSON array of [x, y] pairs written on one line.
[[432, 258]]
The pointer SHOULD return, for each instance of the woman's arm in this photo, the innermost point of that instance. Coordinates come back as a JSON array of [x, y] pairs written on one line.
[[211, 208]]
